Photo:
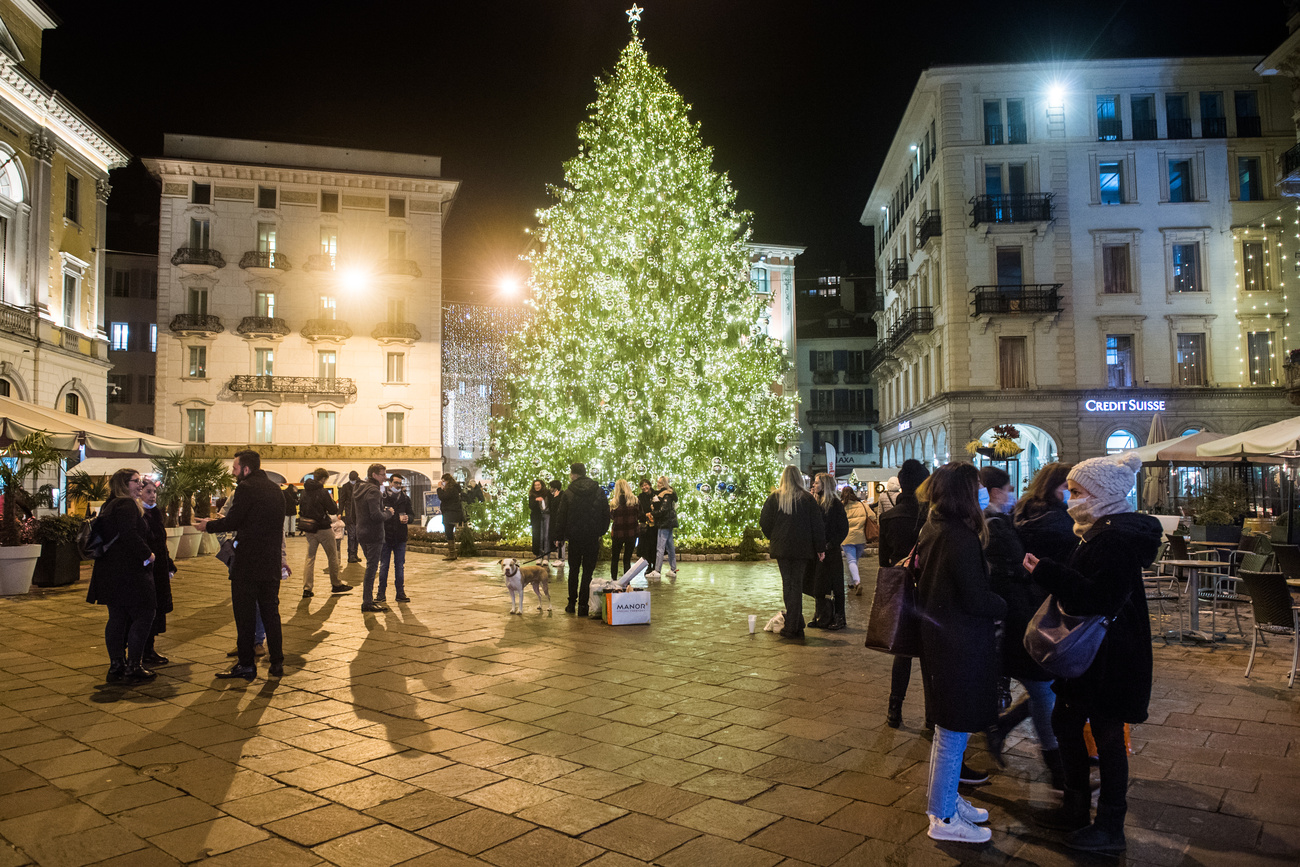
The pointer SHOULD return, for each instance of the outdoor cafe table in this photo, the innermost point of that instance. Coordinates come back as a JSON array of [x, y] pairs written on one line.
[[1193, 568]]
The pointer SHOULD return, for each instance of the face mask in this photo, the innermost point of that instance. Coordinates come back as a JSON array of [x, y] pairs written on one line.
[[984, 498], [148, 505], [1081, 509], [1010, 503], [1065, 497]]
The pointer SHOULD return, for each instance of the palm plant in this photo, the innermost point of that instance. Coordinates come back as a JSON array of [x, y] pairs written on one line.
[[24, 459], [176, 484], [81, 485], [210, 477]]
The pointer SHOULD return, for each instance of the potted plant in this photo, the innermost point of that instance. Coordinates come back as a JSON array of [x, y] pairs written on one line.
[[25, 460], [60, 560], [209, 477], [175, 489], [1220, 508], [81, 486]]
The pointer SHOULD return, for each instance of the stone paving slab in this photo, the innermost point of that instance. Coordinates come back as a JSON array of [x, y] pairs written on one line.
[[447, 732]]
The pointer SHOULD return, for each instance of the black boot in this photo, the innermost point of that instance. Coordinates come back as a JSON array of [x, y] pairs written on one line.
[[1106, 835], [818, 621], [894, 716], [1073, 814], [116, 670], [135, 673], [1052, 758]]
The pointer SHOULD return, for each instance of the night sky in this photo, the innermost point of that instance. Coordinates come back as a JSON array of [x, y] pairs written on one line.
[[799, 99]]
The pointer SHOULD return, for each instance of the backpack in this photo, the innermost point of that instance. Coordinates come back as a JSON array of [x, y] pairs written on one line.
[[91, 542]]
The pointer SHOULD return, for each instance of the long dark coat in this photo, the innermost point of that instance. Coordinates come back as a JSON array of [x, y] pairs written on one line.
[[257, 520], [120, 577], [163, 567], [582, 513], [819, 582], [1046, 529], [899, 528], [452, 510], [959, 651], [800, 535], [1104, 575], [1023, 595]]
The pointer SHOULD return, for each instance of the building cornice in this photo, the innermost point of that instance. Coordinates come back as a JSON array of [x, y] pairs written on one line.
[[46, 108], [443, 189]]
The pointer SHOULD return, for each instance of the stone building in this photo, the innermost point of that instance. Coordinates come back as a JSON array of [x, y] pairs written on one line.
[[131, 322]]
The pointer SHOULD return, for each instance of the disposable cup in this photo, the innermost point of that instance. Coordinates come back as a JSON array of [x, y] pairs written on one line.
[[753, 622]]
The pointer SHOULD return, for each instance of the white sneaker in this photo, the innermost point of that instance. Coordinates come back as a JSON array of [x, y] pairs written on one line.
[[652, 575], [957, 830], [970, 812], [672, 573]]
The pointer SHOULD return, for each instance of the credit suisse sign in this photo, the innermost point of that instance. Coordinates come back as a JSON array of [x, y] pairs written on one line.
[[1124, 405]]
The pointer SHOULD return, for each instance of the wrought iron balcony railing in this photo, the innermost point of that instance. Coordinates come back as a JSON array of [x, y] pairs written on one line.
[[396, 331], [1017, 133], [1024, 299], [1291, 161], [1144, 130], [842, 416], [930, 226], [201, 323], [856, 377], [319, 262], [825, 377], [918, 320], [265, 259], [251, 326], [1214, 127], [1180, 127], [398, 268], [994, 134], [247, 384], [875, 303], [1011, 208], [1249, 127], [201, 256], [1109, 129], [878, 356], [17, 320], [313, 329], [897, 271]]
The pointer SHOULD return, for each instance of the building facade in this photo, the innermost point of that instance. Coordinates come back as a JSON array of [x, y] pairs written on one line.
[[54, 165], [131, 323], [1070, 252], [299, 301]]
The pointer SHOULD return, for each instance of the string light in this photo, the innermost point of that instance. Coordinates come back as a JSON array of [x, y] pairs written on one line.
[[474, 339]]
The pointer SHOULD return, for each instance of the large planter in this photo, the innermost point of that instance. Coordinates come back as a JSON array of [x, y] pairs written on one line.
[[208, 544], [16, 567], [58, 565], [189, 545], [174, 540], [1222, 533]]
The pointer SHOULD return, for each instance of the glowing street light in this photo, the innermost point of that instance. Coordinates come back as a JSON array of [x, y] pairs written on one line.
[[353, 279]]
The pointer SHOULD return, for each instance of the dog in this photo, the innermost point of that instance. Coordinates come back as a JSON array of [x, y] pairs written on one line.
[[518, 577]]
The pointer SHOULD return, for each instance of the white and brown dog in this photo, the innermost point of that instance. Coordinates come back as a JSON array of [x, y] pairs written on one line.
[[518, 577]]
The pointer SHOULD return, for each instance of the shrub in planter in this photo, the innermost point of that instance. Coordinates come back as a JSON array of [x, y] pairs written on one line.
[[60, 560], [749, 546]]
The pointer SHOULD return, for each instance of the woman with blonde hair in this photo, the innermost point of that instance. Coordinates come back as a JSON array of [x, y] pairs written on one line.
[[858, 516], [624, 510], [793, 522]]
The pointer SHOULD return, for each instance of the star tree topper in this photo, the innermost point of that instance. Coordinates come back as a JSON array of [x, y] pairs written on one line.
[[634, 14]]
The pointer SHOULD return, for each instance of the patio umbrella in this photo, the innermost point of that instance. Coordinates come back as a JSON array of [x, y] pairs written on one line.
[[1153, 491]]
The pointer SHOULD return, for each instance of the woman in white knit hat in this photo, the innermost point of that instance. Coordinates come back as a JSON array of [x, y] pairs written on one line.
[[1103, 576]]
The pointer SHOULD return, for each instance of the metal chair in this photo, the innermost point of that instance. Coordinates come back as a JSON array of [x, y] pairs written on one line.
[[1255, 561], [1275, 613], [1160, 595], [1287, 558], [1246, 545], [1223, 594]]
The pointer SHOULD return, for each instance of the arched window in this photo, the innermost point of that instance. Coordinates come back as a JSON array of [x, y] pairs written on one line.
[[11, 182], [1190, 431], [1120, 441]]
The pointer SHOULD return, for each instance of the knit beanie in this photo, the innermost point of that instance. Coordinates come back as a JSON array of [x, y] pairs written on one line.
[[1109, 478], [891, 486], [911, 474]]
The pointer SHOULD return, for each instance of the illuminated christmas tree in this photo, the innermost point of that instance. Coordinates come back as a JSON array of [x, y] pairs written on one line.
[[645, 356]]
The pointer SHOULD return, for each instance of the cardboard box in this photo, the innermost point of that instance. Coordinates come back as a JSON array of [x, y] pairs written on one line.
[[624, 608]]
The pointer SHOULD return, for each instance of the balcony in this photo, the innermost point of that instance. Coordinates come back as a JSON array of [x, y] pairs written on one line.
[[878, 356], [262, 326], [856, 377], [1017, 133], [1214, 127], [1144, 130], [918, 320], [1180, 127], [292, 385], [196, 323], [897, 271], [1026, 299], [1011, 208], [930, 226], [842, 416], [825, 377], [1289, 184], [994, 134], [875, 303], [1109, 129], [1291, 371], [1249, 127], [398, 270], [198, 260], [396, 332], [17, 320], [320, 262], [326, 329], [264, 263]]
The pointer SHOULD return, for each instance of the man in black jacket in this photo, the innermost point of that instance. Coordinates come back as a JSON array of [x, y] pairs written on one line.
[[257, 519], [581, 519], [314, 510], [348, 511], [370, 514]]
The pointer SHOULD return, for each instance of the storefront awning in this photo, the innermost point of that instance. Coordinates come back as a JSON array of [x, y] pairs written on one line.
[[1256, 445], [1179, 450], [67, 432]]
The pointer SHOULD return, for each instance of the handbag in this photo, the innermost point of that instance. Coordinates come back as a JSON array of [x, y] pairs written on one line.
[[226, 552], [308, 525], [895, 623], [1063, 644]]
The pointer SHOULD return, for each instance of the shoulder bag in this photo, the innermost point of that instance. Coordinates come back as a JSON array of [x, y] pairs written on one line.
[[895, 624], [1065, 645]]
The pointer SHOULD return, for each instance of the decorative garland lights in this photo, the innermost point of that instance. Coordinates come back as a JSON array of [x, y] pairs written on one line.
[[644, 356], [1250, 275]]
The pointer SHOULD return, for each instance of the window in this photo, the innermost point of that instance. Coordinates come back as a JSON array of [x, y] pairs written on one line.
[[396, 309], [200, 234], [147, 388], [1254, 268], [993, 180], [1108, 122], [71, 207], [69, 301], [326, 423], [328, 307], [397, 245], [119, 388], [329, 203], [264, 362], [1187, 267], [262, 426], [857, 442], [993, 133], [149, 280], [266, 197], [1017, 129], [1247, 111], [119, 336], [198, 362], [6, 388], [196, 421], [761, 280], [1119, 360], [821, 398], [1259, 353], [201, 194], [1110, 179], [821, 362], [1180, 181], [1177, 117], [1120, 441], [1191, 359], [1114, 269], [266, 237], [1143, 110], [1010, 271], [821, 438], [1213, 122], [329, 244], [120, 284], [1250, 184], [196, 302], [264, 305], [72, 404], [394, 428], [396, 367], [153, 336], [1013, 363], [397, 206], [327, 364]]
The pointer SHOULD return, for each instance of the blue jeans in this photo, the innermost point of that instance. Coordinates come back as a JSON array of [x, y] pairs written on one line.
[[946, 751], [1041, 702], [371, 550], [665, 544], [851, 555], [398, 552]]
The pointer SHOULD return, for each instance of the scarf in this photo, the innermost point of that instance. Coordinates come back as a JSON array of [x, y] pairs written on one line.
[[1086, 511]]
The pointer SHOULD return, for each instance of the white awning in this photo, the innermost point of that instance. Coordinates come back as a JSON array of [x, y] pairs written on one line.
[[68, 431], [1261, 442]]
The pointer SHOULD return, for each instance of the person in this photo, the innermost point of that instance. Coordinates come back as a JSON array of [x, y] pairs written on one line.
[[857, 514], [959, 662], [1023, 596], [367, 502], [163, 570], [647, 536], [346, 492], [889, 499], [539, 515], [400, 514], [558, 549], [290, 509], [793, 524], [828, 580], [623, 528], [900, 528], [1045, 527], [453, 512], [1102, 577], [122, 579], [256, 516], [316, 508], [663, 506], [475, 493], [581, 518]]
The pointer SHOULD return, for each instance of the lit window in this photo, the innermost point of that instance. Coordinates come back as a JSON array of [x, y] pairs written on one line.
[[72, 206], [1180, 181], [153, 336], [325, 428], [1013, 363], [196, 421], [1110, 177], [1119, 360], [1254, 268], [264, 305], [396, 367], [1187, 268], [264, 362], [395, 428], [328, 307], [1191, 360], [761, 280], [1259, 355], [327, 364], [262, 423], [70, 300], [120, 336], [198, 362], [1120, 441]]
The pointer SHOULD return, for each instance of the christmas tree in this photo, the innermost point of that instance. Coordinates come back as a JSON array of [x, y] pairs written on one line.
[[644, 356]]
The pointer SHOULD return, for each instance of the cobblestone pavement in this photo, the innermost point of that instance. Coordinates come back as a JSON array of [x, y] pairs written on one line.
[[449, 732]]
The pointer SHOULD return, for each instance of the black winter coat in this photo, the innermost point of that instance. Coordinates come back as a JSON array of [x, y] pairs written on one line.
[[900, 527], [257, 520], [1046, 529], [535, 501], [1022, 594], [645, 506], [820, 582], [664, 508], [120, 577], [346, 509], [452, 510], [316, 504], [959, 651], [1104, 575], [369, 512], [800, 535], [290, 502], [163, 567], [583, 512], [394, 530]]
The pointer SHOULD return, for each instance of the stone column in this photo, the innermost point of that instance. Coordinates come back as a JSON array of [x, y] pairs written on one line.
[[103, 189], [41, 147]]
